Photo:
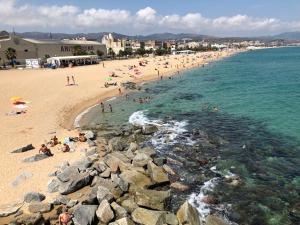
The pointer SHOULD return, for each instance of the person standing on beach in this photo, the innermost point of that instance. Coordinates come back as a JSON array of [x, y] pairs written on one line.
[[161, 77], [73, 79], [103, 64], [102, 107], [110, 108], [157, 72], [120, 91], [68, 81]]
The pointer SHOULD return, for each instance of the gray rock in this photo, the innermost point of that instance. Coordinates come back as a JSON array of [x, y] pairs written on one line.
[[35, 158], [171, 219], [141, 160], [106, 173], [149, 217], [9, 209], [103, 193], [75, 184], [68, 173], [24, 149], [160, 161], [39, 207], [133, 147], [85, 215], [116, 144], [104, 212], [90, 198], [169, 170], [91, 151], [91, 143], [21, 178], [152, 199], [120, 212], [82, 164], [125, 221], [148, 151], [149, 129], [100, 166], [64, 200], [187, 214], [157, 173], [89, 134], [53, 186], [136, 178], [129, 204], [30, 219], [34, 197]]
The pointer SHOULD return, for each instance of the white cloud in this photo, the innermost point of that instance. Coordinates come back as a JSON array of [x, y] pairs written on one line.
[[147, 20]]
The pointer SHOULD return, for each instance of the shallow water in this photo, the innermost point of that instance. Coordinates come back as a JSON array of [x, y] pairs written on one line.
[[243, 113]]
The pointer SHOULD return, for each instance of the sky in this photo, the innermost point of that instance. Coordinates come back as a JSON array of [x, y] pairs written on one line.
[[134, 17]]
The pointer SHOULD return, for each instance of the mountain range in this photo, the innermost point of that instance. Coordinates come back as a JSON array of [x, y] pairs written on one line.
[[289, 36]]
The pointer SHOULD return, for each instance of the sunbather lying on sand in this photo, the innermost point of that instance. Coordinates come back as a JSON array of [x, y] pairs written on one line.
[[45, 150], [82, 138], [66, 148]]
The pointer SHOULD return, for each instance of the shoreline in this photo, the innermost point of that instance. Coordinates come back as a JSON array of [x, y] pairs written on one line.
[[72, 119], [47, 99]]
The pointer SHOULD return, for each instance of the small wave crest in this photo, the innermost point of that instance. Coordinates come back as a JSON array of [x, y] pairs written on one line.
[[169, 133]]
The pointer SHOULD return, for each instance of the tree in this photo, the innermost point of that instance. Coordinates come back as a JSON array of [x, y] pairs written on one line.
[[77, 50], [11, 55], [141, 51]]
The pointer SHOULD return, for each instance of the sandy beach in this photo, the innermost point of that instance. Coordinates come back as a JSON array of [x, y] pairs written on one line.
[[53, 106]]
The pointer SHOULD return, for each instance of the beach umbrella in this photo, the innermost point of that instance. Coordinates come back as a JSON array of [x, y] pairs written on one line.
[[15, 98]]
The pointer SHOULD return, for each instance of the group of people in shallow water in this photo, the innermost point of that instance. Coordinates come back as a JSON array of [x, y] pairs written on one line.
[[103, 107], [65, 147], [141, 100]]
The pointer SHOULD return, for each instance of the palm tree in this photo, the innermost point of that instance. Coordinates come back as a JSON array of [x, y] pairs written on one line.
[[11, 54]]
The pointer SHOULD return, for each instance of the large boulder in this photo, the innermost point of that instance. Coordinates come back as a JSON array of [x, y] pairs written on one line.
[[89, 134], [116, 144], [179, 186], [104, 193], [68, 173], [82, 164], [136, 178], [129, 204], [75, 183], [104, 212], [187, 214], [9, 209], [148, 217], [35, 158], [141, 160], [120, 212], [39, 207], [85, 215], [152, 199], [53, 186], [171, 219], [215, 220], [157, 173], [34, 197], [24, 149]]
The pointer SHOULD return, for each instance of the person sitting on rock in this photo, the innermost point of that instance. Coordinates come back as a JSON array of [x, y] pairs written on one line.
[[82, 137], [65, 218], [66, 148], [54, 141], [45, 150]]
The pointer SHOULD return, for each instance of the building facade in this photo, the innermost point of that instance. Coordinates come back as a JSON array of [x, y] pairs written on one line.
[[38, 49]]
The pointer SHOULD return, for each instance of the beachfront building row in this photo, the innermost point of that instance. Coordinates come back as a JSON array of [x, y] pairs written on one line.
[[40, 49]]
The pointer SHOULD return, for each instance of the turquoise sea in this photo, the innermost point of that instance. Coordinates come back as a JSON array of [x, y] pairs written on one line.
[[241, 113]]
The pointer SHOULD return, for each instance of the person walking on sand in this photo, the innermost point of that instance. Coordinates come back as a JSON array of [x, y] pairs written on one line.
[[103, 64], [110, 108], [102, 107], [120, 91], [68, 81], [73, 79], [161, 77]]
